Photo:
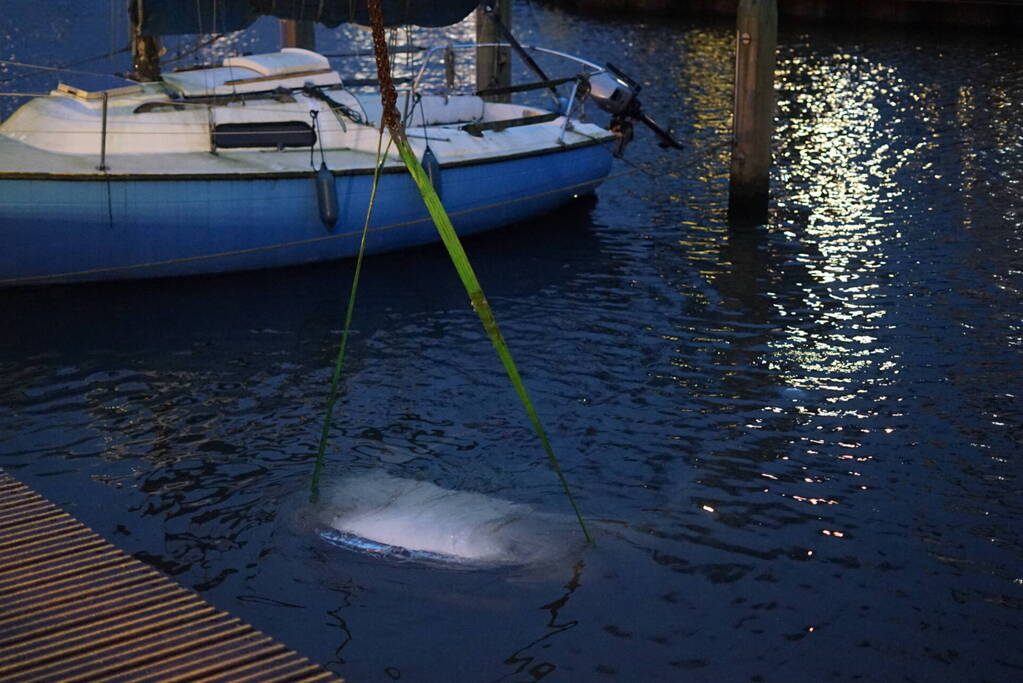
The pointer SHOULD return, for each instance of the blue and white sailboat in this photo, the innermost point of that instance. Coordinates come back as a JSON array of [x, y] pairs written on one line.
[[214, 169]]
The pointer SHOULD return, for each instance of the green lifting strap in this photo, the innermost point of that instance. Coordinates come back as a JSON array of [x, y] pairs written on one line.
[[454, 246]]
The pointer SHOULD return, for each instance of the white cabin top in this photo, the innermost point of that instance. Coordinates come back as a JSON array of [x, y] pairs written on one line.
[[292, 67], [289, 60]]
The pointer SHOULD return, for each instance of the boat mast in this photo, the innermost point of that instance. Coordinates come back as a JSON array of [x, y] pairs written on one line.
[[146, 57], [145, 50]]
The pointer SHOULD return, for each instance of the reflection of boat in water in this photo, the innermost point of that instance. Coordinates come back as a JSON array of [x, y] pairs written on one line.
[[166, 316], [266, 160]]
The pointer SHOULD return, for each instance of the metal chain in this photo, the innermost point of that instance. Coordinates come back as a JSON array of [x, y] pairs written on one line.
[[388, 95]]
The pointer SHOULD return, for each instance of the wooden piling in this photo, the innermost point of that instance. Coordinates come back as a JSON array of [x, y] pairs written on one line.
[[753, 116], [297, 33], [493, 65]]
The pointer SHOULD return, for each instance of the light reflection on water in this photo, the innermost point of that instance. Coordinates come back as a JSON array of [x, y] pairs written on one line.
[[799, 446]]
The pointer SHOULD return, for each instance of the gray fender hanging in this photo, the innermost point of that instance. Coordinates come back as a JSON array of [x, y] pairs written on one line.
[[326, 196], [432, 168]]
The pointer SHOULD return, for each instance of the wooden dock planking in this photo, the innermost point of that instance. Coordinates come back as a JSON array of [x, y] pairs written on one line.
[[75, 608]]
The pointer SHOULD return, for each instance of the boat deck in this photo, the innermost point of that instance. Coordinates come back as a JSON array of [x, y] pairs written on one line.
[[24, 161], [76, 608], [19, 160]]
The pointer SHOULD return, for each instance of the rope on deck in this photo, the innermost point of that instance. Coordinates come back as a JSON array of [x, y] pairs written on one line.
[[75, 608]]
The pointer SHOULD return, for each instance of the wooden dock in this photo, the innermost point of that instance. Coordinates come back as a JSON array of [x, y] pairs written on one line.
[[75, 608]]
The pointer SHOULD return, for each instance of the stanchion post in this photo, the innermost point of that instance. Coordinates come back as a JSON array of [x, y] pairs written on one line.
[[103, 133]]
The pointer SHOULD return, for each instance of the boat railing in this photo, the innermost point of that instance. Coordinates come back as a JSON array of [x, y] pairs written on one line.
[[430, 52], [568, 107]]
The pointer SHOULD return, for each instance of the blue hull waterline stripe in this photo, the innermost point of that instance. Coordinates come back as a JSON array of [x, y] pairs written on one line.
[[132, 228]]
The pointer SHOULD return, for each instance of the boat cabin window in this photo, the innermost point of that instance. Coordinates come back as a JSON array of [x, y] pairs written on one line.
[[277, 134]]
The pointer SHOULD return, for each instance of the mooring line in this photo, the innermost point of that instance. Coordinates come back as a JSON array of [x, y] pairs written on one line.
[[339, 362]]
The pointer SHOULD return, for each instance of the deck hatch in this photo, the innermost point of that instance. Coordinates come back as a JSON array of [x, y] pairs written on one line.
[[276, 134]]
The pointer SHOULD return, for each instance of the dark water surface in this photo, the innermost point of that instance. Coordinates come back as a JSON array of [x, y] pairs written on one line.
[[799, 449]]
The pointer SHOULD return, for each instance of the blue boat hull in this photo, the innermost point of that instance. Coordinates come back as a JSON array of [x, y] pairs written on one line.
[[61, 230]]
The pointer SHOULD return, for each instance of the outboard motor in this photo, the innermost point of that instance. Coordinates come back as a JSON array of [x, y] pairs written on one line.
[[616, 93]]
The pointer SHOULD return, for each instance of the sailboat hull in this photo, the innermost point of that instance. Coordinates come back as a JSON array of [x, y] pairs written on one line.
[[60, 229]]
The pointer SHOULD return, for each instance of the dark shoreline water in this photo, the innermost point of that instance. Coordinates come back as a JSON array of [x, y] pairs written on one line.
[[991, 14], [799, 447]]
